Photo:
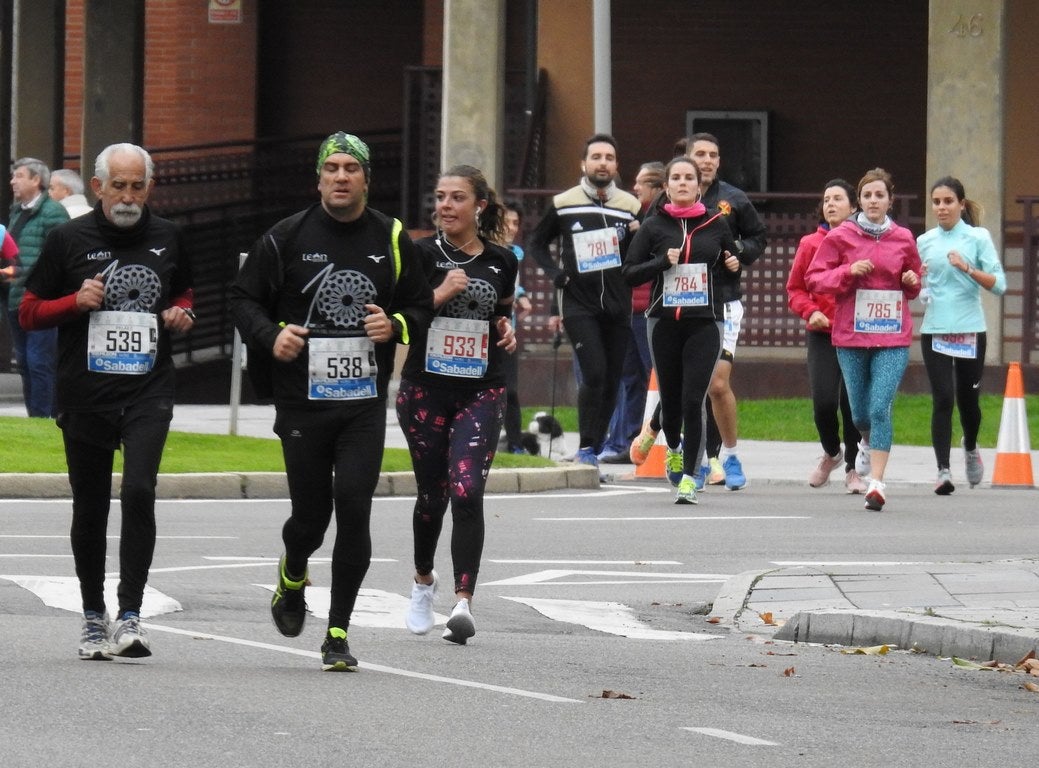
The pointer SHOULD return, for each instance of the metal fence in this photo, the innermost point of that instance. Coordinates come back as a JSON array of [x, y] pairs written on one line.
[[226, 195], [767, 323]]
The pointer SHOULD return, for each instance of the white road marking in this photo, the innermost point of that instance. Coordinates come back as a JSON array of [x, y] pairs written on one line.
[[113, 537], [226, 566], [612, 491], [739, 738], [851, 562], [367, 666], [630, 577], [275, 559], [374, 607], [21, 556], [616, 582], [63, 592], [670, 519], [586, 562], [250, 562], [611, 618]]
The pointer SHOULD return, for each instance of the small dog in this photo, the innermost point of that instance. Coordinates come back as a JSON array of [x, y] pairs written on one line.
[[545, 437]]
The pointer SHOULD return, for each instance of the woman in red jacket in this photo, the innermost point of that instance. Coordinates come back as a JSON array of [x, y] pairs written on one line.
[[829, 397]]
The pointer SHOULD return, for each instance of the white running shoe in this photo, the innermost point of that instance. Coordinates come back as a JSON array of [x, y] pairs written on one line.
[[943, 484], [93, 644], [460, 627], [975, 468], [875, 499], [129, 639], [862, 463], [420, 617]]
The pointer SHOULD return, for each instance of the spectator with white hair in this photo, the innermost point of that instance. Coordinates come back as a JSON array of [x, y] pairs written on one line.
[[66, 187]]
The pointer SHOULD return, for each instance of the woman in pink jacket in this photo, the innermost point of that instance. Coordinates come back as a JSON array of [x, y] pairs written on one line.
[[872, 267], [830, 406]]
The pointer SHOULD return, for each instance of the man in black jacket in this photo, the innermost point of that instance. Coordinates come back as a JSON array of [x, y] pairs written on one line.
[[593, 223], [114, 283], [749, 232], [326, 294]]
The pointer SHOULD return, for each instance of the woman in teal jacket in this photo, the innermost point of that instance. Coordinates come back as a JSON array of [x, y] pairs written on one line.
[[959, 260]]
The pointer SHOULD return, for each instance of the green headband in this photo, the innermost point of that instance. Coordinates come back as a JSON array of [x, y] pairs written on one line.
[[347, 143]]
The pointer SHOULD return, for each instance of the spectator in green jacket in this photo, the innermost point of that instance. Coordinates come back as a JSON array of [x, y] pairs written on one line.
[[33, 215]]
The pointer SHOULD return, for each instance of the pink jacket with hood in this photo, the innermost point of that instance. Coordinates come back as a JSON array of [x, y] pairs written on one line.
[[892, 253]]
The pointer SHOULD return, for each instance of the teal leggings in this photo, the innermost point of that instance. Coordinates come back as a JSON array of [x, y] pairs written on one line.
[[872, 376]]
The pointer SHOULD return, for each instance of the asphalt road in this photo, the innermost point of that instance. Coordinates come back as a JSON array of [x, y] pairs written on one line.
[[580, 593]]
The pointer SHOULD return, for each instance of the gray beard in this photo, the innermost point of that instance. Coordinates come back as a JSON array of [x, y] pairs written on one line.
[[125, 216]]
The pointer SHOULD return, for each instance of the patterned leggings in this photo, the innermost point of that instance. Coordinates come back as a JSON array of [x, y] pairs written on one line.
[[872, 376], [452, 436]]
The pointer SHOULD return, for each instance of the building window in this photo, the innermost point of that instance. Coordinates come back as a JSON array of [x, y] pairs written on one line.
[[743, 138]]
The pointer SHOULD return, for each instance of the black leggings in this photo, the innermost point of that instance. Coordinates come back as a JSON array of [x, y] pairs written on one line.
[[684, 353], [600, 344], [712, 437], [332, 459], [452, 436], [954, 381], [830, 398], [91, 440], [513, 428]]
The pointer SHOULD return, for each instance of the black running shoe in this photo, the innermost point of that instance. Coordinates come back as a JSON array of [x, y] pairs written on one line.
[[288, 606], [335, 652]]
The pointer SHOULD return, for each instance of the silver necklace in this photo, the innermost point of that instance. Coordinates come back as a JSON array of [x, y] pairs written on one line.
[[457, 249]]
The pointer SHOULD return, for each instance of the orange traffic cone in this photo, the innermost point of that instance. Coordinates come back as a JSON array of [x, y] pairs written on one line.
[[1013, 454], [653, 466]]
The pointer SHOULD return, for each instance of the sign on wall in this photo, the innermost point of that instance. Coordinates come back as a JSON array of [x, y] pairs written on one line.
[[225, 11]]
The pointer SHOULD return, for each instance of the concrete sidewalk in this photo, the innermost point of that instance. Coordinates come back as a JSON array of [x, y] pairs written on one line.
[[985, 610], [767, 463], [981, 611]]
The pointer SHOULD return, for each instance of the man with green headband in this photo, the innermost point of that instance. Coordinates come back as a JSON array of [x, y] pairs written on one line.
[[322, 300]]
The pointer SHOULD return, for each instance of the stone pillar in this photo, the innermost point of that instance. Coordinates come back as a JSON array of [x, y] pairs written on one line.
[[113, 77], [602, 56], [966, 86], [474, 86], [6, 143], [38, 92]]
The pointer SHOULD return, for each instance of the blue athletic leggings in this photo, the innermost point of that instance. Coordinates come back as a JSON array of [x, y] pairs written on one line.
[[452, 436], [872, 376]]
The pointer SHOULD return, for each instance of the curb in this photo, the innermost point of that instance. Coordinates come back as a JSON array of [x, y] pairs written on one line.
[[904, 630], [922, 634], [273, 485]]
